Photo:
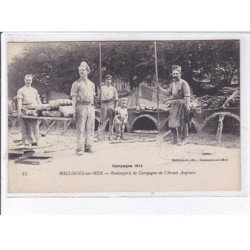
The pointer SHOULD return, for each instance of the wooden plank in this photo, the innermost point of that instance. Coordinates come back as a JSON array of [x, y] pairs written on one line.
[[31, 148], [37, 156], [230, 98], [17, 152], [46, 118], [32, 161], [21, 154], [22, 149], [17, 141], [38, 147], [13, 154]]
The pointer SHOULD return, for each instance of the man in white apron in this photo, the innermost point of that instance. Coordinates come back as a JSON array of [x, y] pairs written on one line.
[[179, 91], [28, 96]]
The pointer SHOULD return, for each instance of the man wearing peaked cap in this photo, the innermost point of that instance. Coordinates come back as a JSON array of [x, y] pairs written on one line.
[[85, 65], [179, 91], [109, 101], [83, 93], [176, 67]]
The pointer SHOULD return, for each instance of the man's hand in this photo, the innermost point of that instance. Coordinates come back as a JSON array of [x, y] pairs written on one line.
[[157, 86]]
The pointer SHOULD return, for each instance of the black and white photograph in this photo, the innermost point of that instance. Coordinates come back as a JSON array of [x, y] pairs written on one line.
[[144, 116], [127, 120]]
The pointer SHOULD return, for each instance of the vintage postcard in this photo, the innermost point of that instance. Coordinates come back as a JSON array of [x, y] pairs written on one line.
[[121, 114]]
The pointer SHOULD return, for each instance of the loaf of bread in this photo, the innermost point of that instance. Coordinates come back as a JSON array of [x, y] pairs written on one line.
[[67, 111], [51, 113], [31, 112], [60, 102], [43, 107]]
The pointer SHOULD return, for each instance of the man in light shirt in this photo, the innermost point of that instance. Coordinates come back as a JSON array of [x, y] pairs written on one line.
[[109, 101], [83, 93], [121, 119], [28, 96]]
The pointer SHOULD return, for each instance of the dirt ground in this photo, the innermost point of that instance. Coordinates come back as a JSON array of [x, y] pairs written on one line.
[[142, 163]]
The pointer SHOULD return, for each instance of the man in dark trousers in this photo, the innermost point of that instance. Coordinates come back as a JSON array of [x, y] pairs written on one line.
[[179, 91]]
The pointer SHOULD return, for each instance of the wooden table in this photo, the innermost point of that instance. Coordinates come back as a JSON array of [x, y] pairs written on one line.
[[65, 120]]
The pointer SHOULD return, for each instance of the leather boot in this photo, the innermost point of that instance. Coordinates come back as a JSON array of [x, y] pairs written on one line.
[[174, 136], [111, 129]]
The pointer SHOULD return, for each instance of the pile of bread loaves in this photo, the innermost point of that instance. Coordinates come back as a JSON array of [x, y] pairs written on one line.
[[54, 108]]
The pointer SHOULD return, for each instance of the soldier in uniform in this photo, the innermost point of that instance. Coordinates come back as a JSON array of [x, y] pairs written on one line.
[[83, 93], [109, 102], [179, 91]]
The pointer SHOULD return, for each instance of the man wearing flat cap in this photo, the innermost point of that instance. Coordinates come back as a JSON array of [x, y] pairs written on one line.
[[179, 91], [83, 93], [109, 102]]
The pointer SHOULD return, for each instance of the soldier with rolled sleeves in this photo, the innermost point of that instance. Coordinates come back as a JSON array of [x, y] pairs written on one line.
[[83, 93], [179, 91], [28, 96], [109, 102]]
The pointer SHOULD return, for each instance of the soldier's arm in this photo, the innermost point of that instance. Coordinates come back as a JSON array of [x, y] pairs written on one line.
[[116, 97], [74, 102], [73, 94], [38, 99], [19, 107], [165, 91], [186, 91], [19, 102]]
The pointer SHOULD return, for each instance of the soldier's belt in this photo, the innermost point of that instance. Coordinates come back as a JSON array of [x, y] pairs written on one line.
[[107, 101], [84, 103]]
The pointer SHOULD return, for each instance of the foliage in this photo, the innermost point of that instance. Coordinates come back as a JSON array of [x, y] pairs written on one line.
[[55, 64]]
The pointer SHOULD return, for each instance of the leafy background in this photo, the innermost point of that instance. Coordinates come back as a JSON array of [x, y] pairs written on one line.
[[54, 65]]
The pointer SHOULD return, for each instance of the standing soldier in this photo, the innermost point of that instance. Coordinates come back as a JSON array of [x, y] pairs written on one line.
[[83, 93], [28, 96], [109, 101], [180, 106]]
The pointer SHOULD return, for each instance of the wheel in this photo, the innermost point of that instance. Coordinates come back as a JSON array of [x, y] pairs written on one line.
[[215, 124]]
